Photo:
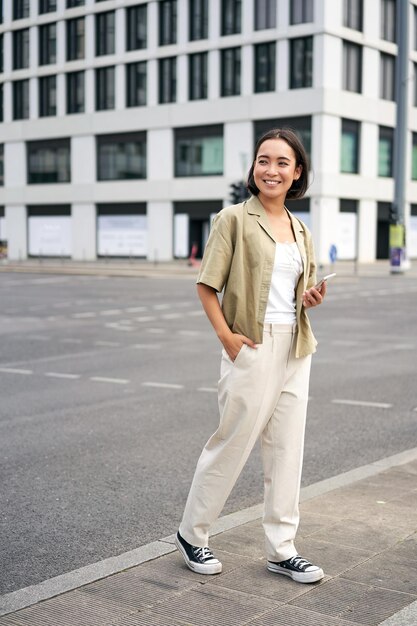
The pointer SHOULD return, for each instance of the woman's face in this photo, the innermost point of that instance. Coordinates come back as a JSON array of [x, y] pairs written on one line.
[[275, 169]]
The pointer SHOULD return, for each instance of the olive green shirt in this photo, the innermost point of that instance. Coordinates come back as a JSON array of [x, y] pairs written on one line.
[[239, 259]]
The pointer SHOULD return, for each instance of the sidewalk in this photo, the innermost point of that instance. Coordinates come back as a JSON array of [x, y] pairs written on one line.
[[363, 533]]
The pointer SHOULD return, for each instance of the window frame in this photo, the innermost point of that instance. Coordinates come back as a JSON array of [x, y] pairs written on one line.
[[136, 18], [388, 138], [353, 14], [70, 108], [197, 20], [118, 140], [53, 145], [74, 37], [352, 127], [105, 88], [352, 80], [130, 89], [231, 17], [193, 135], [301, 12], [198, 76], [307, 75], [167, 22], [105, 33], [47, 95], [165, 77], [47, 44], [230, 68], [269, 60]]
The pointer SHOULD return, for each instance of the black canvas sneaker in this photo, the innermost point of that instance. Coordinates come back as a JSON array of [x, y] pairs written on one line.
[[200, 560], [297, 568]]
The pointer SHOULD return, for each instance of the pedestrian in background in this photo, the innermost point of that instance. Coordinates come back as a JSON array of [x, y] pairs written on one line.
[[262, 258]]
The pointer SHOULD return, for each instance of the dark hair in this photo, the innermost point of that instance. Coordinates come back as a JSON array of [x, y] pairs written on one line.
[[299, 187]]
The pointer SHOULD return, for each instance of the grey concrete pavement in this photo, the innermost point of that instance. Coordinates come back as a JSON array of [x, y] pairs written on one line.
[[362, 532]]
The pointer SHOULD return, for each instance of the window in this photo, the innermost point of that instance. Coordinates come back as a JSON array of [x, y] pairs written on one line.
[[121, 157], [105, 92], [388, 21], [301, 11], [387, 77], [75, 39], [21, 49], [415, 85], [414, 158], [75, 92], [199, 151], [197, 76], [46, 6], [353, 14], [105, 33], [136, 84], [265, 14], [1, 53], [20, 99], [301, 62], [300, 125], [2, 169], [75, 3], [231, 17], [352, 67], [349, 157], [415, 27], [47, 44], [49, 161], [20, 9], [136, 30], [167, 80], [230, 69], [167, 22], [198, 12], [1, 103], [265, 67], [47, 96], [385, 151]]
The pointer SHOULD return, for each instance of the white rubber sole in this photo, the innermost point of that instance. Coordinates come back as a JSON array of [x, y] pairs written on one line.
[[209, 569], [299, 577]]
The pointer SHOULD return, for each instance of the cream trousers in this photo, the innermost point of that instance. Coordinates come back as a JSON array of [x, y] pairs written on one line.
[[264, 392]]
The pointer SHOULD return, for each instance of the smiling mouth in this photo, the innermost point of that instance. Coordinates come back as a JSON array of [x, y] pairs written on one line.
[[272, 183]]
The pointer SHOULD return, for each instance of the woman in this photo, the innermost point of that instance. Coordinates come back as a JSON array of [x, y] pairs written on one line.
[[262, 257]]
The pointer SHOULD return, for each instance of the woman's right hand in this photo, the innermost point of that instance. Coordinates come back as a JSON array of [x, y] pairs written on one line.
[[233, 344]]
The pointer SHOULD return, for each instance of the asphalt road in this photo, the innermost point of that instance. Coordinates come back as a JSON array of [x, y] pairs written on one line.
[[107, 390]]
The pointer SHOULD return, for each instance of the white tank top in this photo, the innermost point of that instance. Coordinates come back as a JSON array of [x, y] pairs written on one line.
[[288, 268]]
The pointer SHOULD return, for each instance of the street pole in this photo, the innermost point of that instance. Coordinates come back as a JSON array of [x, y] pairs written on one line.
[[398, 260]]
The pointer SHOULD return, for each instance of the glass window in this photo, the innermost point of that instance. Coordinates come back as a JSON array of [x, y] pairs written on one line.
[[121, 157], [385, 151], [197, 77], [265, 14], [20, 99], [388, 21], [105, 89], [231, 17], [136, 28], [352, 67], [265, 54], [415, 27], [75, 3], [353, 14], [199, 151], [46, 6], [105, 25], [167, 22], [75, 92], [387, 77], [1, 53], [349, 157], [20, 9], [47, 96], [2, 168], [136, 75], [198, 15], [415, 85], [301, 62], [75, 39], [49, 161], [21, 49], [167, 80], [230, 72], [301, 11], [47, 44], [1, 103], [300, 125]]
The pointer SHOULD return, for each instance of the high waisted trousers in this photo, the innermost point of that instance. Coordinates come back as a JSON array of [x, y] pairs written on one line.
[[264, 392]]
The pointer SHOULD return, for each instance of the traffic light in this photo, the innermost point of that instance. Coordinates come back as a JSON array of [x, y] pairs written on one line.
[[393, 214], [238, 192]]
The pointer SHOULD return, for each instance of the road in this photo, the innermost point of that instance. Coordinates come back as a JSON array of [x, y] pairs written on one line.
[[108, 395]]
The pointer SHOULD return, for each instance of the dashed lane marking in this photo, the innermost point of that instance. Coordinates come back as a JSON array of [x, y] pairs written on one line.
[[171, 316], [12, 370], [104, 379], [39, 337], [195, 313], [156, 331], [71, 340], [147, 346], [109, 344], [111, 312], [377, 405], [84, 315], [145, 318], [135, 309], [208, 389], [161, 307], [62, 375], [163, 385], [190, 333]]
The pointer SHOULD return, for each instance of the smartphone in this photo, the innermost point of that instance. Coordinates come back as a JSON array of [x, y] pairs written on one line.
[[328, 277]]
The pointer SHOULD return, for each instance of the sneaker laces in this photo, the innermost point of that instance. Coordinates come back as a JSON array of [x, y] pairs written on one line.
[[203, 554], [300, 562]]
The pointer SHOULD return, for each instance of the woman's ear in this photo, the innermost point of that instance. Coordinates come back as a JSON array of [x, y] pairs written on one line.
[[298, 172]]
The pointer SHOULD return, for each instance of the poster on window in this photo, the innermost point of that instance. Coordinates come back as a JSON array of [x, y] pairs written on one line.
[[122, 235], [181, 235], [50, 236], [346, 236], [412, 238]]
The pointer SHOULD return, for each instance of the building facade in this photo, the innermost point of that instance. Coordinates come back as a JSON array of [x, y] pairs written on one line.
[[125, 122]]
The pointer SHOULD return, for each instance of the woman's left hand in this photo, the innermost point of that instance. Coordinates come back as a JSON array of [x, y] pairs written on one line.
[[313, 297]]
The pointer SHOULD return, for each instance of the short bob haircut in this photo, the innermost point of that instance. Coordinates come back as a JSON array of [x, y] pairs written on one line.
[[299, 187]]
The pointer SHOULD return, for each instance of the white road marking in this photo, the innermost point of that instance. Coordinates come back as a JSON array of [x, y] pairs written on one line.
[[147, 346], [171, 316], [135, 309], [110, 344], [12, 370], [71, 340], [84, 315], [344, 342], [145, 318], [116, 326], [209, 389], [61, 375], [39, 337], [190, 333], [404, 346], [111, 312], [161, 307], [61, 305], [163, 385], [156, 331], [378, 405], [103, 379], [195, 313]]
